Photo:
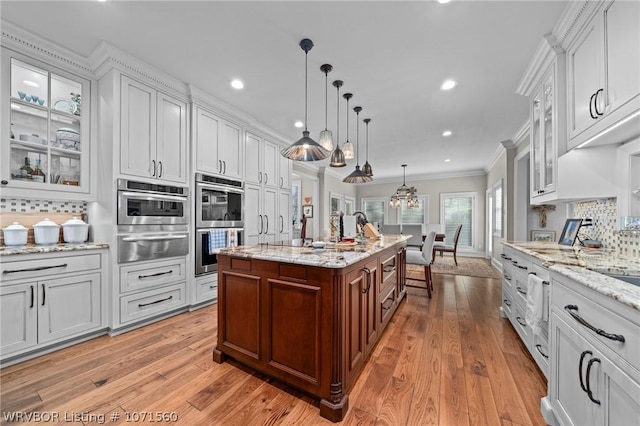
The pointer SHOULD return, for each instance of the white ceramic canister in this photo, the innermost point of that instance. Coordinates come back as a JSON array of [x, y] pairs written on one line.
[[46, 232], [15, 235], [75, 231]]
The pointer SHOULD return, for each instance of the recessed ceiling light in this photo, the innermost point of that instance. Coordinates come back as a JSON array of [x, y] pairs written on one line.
[[30, 83], [448, 160], [299, 124], [237, 84], [443, 1], [446, 133], [448, 84]]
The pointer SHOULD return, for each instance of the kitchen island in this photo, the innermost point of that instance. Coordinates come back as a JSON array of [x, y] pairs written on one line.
[[309, 316]]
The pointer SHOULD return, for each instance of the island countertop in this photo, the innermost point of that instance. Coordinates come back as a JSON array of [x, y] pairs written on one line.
[[331, 256], [588, 267]]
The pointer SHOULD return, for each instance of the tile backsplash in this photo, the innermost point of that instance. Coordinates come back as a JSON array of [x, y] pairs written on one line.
[[12, 205], [604, 213]]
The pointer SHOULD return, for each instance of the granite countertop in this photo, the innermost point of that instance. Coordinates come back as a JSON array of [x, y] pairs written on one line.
[[32, 248], [331, 256], [587, 267]]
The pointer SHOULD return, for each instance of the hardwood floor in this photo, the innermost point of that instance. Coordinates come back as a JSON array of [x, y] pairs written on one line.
[[449, 360]]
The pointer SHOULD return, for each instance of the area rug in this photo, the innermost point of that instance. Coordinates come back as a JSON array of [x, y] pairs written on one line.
[[469, 266]]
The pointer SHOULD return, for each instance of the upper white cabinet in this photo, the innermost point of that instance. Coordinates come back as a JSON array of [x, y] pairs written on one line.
[[46, 147], [546, 132], [284, 172], [217, 144], [153, 133], [261, 161], [603, 65]]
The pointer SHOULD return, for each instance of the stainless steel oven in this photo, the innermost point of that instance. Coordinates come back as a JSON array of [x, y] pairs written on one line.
[[218, 202], [209, 241], [152, 221], [141, 203]]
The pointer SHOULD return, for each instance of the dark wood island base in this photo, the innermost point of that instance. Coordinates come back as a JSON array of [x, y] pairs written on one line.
[[310, 324]]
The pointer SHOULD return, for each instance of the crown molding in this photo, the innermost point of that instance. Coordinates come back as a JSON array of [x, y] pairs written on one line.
[[107, 56], [500, 149], [522, 133], [574, 14], [542, 59], [22, 41], [231, 113]]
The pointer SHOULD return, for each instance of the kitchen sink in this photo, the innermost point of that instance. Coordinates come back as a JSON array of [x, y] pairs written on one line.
[[627, 278]]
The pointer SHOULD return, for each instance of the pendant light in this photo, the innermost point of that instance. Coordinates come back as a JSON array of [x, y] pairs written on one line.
[[326, 137], [305, 149], [337, 157], [404, 193], [357, 176], [347, 147], [367, 167]]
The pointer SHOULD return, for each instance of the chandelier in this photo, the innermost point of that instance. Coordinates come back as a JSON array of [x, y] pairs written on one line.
[[404, 193]]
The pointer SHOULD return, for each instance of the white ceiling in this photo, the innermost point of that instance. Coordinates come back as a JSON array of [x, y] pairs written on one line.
[[392, 55]]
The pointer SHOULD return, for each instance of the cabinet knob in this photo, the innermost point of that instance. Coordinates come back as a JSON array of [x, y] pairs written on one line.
[[4, 182]]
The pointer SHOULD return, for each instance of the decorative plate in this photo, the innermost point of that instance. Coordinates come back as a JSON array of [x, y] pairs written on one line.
[[65, 106]]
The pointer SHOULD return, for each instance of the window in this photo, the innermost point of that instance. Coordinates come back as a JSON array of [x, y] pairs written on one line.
[[497, 208], [459, 209], [375, 209], [415, 215], [296, 214], [336, 203], [349, 205]]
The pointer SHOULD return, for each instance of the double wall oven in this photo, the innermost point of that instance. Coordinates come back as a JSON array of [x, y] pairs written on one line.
[[152, 221], [219, 219]]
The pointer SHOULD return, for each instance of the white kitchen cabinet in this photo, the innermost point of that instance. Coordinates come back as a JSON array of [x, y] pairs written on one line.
[[261, 161], [47, 144], [602, 73], [284, 216], [153, 133], [594, 377], [261, 209], [545, 132], [284, 171], [47, 299], [218, 144]]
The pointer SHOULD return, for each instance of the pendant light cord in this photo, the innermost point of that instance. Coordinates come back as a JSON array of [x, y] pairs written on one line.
[[326, 98], [367, 159], [358, 138], [306, 54], [338, 119]]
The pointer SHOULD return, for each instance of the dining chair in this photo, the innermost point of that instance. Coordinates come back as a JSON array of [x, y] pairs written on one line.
[[415, 242], [424, 258], [391, 229], [442, 248]]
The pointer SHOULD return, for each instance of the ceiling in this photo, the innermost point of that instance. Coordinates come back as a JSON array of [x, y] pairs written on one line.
[[392, 55]]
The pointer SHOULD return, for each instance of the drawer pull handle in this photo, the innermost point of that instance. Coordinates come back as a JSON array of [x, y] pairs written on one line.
[[140, 305], [584, 353], [520, 319], [154, 238], [572, 308], [389, 269], [32, 297], [170, 271], [39, 268], [368, 287], [519, 266], [44, 294], [504, 256], [507, 277], [386, 308], [506, 302], [591, 361], [539, 348], [520, 290], [212, 287]]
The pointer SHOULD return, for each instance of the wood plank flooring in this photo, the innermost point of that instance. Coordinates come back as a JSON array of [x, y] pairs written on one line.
[[449, 360]]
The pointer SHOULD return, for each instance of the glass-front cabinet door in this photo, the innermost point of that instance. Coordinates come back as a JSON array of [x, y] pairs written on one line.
[[46, 143], [543, 138]]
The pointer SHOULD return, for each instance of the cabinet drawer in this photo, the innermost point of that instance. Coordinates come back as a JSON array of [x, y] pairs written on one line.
[[388, 271], [32, 269], [600, 318], [154, 302], [508, 303], [540, 352], [141, 276], [207, 288], [386, 305], [519, 323]]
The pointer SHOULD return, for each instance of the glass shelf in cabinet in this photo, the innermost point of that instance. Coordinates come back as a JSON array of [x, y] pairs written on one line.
[[28, 146], [65, 152], [21, 103], [27, 109], [65, 117]]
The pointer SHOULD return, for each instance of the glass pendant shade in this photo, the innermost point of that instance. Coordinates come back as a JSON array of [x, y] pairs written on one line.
[[367, 167], [326, 137], [347, 147], [305, 149], [337, 156], [404, 193], [357, 176]]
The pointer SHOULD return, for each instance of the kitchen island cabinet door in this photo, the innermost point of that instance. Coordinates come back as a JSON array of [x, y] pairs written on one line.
[[18, 317], [68, 306]]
